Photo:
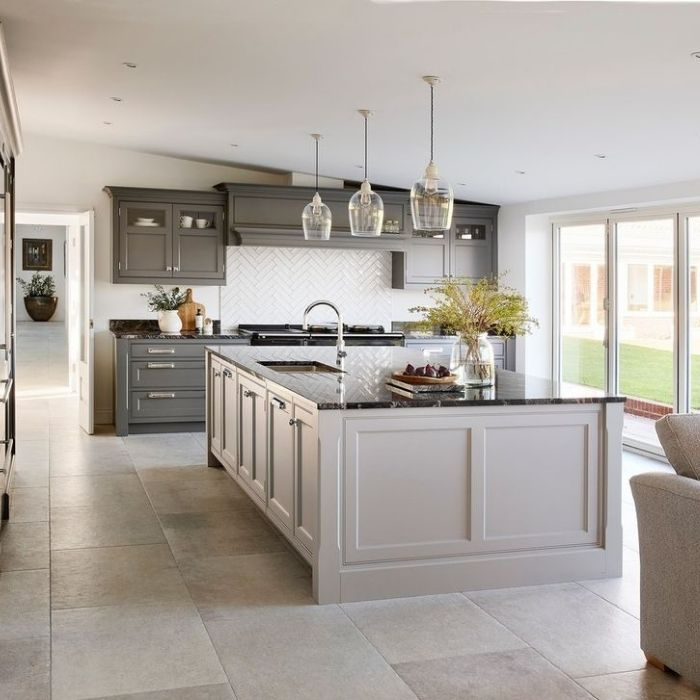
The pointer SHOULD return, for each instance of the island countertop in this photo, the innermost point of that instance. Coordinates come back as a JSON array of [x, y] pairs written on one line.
[[363, 382]]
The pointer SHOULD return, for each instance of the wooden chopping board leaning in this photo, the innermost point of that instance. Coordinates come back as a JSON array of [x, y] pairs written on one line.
[[188, 310]]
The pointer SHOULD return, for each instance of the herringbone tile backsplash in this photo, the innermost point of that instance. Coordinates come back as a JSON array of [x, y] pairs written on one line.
[[274, 285]]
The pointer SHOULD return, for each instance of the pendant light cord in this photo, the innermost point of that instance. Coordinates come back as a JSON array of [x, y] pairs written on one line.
[[316, 164], [432, 119], [365, 147]]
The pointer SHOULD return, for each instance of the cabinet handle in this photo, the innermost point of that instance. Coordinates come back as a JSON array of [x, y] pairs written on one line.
[[293, 421], [228, 373], [161, 351], [160, 365], [248, 393], [161, 395], [217, 374], [281, 404]]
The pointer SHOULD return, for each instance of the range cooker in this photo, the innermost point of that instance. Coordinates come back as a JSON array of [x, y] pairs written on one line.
[[324, 334]]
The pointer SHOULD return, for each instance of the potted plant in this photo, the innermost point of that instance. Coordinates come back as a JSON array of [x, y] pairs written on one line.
[[166, 304], [39, 299], [473, 310]]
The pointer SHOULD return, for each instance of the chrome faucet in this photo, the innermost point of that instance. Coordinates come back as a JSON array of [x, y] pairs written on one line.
[[341, 341]]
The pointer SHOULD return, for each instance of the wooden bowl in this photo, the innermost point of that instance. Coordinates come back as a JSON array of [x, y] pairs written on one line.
[[411, 379]]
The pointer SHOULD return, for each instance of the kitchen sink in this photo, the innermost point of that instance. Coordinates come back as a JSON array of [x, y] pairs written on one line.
[[300, 366]]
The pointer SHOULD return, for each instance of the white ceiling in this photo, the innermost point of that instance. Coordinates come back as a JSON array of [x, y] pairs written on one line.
[[539, 87]]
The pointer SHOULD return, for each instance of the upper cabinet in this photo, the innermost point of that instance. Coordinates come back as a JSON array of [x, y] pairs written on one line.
[[267, 215], [168, 236]]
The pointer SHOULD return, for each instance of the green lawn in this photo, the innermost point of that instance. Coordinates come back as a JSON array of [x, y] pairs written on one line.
[[645, 373]]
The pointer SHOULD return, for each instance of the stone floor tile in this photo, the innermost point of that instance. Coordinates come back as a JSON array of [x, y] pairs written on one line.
[[221, 585], [520, 674], [429, 627], [82, 578], [312, 652], [193, 472], [76, 458], [24, 604], [623, 591], [29, 505], [31, 474], [92, 490], [125, 649], [199, 535], [104, 526], [200, 692], [576, 630], [648, 684], [25, 669], [167, 450], [24, 546]]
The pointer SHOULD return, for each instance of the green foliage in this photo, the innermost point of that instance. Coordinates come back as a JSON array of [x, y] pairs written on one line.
[[469, 308], [160, 300], [38, 286]]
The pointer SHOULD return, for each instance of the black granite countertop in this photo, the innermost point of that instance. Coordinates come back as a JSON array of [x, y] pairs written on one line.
[[136, 329], [367, 369]]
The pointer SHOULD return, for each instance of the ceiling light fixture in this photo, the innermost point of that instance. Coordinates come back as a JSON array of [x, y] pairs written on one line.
[[602, 156], [234, 145], [129, 64], [365, 208], [316, 219], [116, 99], [432, 199], [696, 54], [107, 123], [520, 172]]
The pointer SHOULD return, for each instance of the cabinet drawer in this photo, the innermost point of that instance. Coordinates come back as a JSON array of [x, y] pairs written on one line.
[[163, 373], [157, 351], [187, 405]]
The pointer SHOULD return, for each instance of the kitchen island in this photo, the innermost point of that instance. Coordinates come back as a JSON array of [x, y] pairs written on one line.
[[386, 495]]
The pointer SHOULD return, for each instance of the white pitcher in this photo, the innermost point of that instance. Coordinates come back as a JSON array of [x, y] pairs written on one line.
[[169, 322]]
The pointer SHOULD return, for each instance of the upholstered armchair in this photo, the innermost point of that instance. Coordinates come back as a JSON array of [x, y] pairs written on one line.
[[668, 517]]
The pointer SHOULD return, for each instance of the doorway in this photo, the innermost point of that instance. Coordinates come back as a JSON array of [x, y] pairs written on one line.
[[54, 356]]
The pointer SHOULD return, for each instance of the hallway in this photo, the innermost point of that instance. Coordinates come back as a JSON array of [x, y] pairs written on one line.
[[42, 358], [130, 568]]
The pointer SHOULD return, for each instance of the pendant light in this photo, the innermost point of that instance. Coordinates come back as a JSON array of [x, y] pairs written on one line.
[[316, 218], [432, 199], [366, 209]]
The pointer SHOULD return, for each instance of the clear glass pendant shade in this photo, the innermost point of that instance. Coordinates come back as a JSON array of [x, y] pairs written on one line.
[[316, 220], [366, 211], [432, 201]]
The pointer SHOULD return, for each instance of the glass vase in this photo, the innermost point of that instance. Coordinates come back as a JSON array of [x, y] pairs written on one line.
[[472, 361]]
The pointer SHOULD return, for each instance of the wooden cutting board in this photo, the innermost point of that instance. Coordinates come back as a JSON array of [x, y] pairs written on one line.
[[188, 310]]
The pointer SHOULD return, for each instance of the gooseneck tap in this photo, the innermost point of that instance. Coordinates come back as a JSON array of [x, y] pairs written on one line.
[[341, 341]]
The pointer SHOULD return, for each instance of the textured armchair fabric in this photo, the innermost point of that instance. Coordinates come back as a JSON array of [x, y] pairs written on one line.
[[668, 517], [679, 435]]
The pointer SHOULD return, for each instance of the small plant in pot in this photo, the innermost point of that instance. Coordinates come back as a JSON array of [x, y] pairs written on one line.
[[39, 299], [166, 305]]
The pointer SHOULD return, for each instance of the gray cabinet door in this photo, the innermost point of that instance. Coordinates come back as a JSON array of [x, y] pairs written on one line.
[[145, 240], [252, 435], [281, 457], [427, 261], [306, 470], [198, 253], [472, 247]]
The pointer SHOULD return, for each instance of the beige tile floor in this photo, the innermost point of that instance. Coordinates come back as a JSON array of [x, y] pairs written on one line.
[[131, 570]]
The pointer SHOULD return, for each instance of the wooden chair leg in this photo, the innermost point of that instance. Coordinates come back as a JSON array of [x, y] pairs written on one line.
[[653, 661]]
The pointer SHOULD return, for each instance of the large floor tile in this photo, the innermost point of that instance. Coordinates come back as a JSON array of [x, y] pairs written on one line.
[[575, 629], [24, 605], [623, 591], [198, 535], [171, 450], [78, 457], [648, 684], [24, 546], [29, 505], [24, 669], [184, 472], [201, 692], [31, 474], [429, 627], [82, 578], [311, 652], [104, 526], [520, 674], [91, 490], [220, 586], [129, 649]]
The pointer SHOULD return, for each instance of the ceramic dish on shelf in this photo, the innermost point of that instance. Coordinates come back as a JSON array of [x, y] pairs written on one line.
[[413, 379], [146, 223]]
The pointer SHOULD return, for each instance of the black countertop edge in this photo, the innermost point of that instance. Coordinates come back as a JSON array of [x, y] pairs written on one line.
[[183, 335], [363, 384]]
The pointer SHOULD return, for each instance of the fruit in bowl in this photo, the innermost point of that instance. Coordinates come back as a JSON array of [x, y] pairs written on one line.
[[432, 371]]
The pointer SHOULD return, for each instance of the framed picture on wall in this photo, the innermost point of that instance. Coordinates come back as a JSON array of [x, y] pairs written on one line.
[[37, 254]]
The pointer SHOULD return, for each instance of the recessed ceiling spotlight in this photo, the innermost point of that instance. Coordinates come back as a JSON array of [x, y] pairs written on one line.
[[696, 54], [233, 145], [602, 156], [360, 166], [107, 123], [117, 99], [520, 172], [462, 184], [129, 64]]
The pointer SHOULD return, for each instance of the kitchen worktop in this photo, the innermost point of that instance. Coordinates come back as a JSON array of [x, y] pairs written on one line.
[[135, 329], [366, 370]]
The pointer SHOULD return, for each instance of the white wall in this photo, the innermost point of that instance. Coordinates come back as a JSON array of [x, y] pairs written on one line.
[[61, 175], [525, 251], [57, 234]]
